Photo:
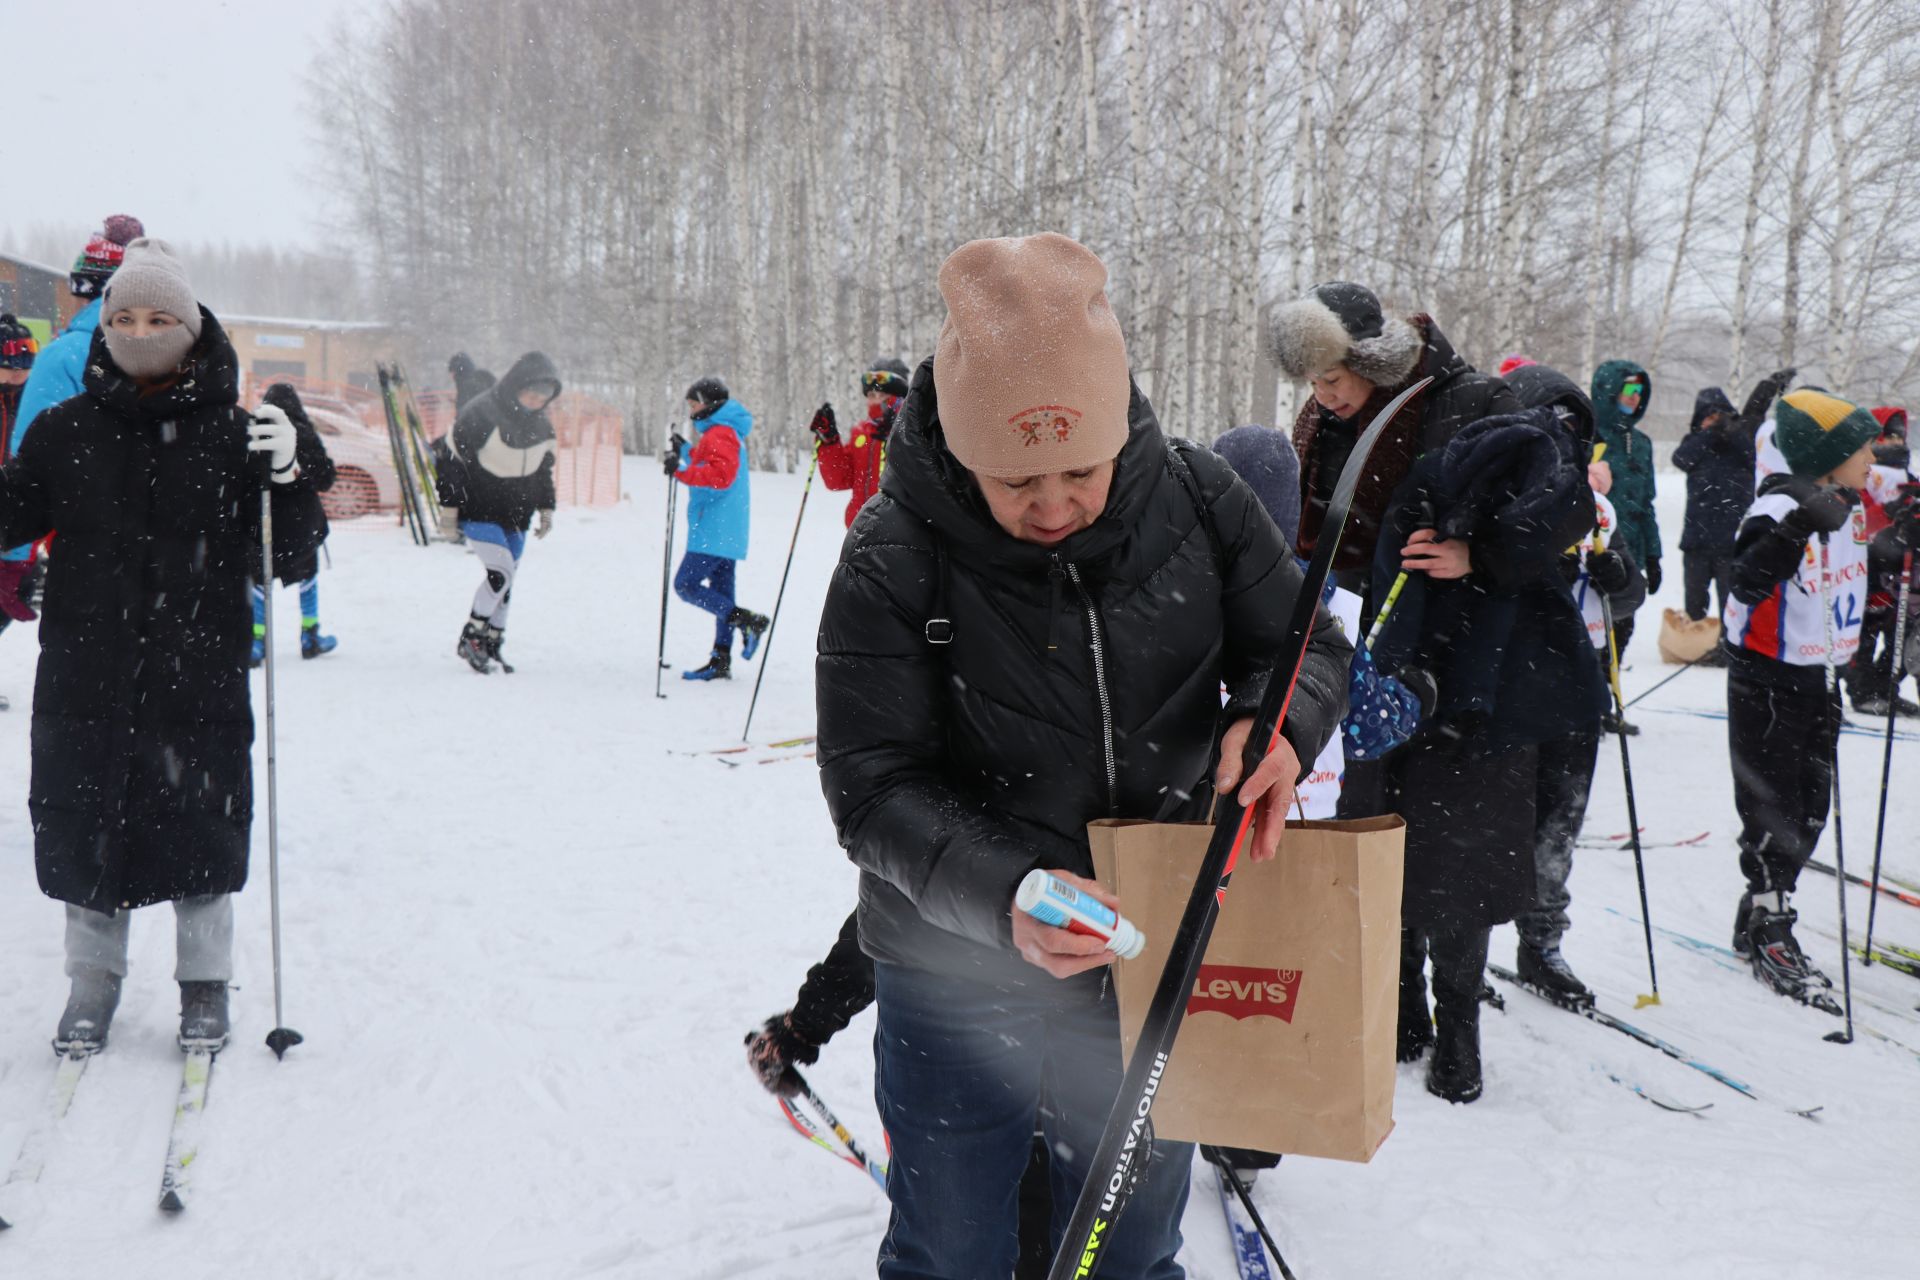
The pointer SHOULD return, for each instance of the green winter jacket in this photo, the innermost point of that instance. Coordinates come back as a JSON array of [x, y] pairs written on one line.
[[1630, 454]]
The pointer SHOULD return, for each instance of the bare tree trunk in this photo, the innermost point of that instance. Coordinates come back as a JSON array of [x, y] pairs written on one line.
[[1602, 192], [1761, 135], [1799, 211], [1704, 163]]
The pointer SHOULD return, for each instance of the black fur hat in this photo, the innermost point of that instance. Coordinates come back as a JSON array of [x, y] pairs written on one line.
[[1341, 323]]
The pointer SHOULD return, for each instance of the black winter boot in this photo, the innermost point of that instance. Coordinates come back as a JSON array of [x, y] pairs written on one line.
[[1459, 972], [89, 1012], [1416, 1023], [203, 1016]]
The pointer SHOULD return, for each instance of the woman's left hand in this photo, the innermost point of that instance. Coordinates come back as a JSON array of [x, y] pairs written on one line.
[[1427, 552], [1270, 788]]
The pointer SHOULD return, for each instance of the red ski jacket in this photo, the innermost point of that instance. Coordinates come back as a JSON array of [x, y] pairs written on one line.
[[856, 463]]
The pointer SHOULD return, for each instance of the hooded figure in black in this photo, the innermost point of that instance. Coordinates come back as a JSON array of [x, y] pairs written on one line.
[[318, 468], [504, 444], [142, 787], [1718, 458], [1477, 532]]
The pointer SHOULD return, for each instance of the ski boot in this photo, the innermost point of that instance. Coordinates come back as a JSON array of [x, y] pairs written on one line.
[[203, 1016], [1743, 914], [259, 653], [473, 646], [752, 627], [495, 638], [719, 667], [89, 1013], [1610, 722], [1547, 969], [312, 643], [1777, 959]]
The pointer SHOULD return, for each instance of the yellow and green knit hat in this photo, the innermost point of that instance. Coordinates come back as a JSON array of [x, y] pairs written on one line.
[[1817, 432]]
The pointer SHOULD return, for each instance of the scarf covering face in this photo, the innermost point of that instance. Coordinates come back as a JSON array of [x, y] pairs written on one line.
[[153, 356]]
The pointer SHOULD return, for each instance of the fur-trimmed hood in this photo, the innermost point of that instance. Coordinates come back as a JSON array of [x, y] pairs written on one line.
[[1342, 324]]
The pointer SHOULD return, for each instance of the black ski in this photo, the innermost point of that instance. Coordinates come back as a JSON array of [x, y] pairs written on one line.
[[1104, 1194], [1593, 1013]]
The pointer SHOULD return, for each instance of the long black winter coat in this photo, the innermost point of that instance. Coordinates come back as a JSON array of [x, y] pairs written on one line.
[[142, 729], [1719, 463], [1509, 653], [506, 452], [1082, 681]]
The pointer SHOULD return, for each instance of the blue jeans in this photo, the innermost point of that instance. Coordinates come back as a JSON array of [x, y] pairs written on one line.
[[706, 582], [963, 1073]]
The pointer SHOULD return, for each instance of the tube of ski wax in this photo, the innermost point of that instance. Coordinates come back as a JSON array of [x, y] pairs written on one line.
[[1051, 900]]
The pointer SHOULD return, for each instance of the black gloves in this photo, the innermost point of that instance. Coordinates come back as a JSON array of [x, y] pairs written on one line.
[[1653, 578], [670, 456], [824, 427], [1608, 571], [1825, 512], [772, 1052]]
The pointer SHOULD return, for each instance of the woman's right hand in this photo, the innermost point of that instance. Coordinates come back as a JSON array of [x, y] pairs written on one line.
[[1060, 953]]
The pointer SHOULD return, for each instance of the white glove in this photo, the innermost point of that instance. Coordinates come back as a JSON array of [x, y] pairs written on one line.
[[271, 433], [546, 525], [450, 523]]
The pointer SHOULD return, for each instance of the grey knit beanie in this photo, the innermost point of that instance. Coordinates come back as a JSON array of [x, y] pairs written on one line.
[[151, 276]]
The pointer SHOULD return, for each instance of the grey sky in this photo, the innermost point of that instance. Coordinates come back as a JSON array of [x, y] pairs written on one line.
[[188, 114]]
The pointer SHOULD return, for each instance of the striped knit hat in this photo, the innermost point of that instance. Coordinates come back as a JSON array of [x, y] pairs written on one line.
[[1817, 432]]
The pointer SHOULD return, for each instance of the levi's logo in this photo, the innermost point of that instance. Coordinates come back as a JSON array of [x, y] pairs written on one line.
[[1045, 422], [1240, 992]]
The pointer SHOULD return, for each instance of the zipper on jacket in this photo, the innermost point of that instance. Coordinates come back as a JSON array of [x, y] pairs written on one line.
[[1100, 686]]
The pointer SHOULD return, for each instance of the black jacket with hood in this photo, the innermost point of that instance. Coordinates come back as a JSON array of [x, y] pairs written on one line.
[[506, 451], [142, 725], [1082, 680], [1719, 462]]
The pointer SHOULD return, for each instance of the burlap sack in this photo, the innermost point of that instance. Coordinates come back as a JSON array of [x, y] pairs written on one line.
[[1682, 640]]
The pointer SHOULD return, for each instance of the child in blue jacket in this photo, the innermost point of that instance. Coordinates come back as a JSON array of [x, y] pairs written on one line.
[[714, 466]]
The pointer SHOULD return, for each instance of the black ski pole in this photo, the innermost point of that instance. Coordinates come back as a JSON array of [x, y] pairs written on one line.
[[1896, 674], [766, 647], [1633, 812], [1104, 1193], [282, 1037], [1244, 1194], [1839, 829], [666, 582], [1671, 677]]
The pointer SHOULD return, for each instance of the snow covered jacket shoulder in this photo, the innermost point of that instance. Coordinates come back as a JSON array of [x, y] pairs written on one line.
[[142, 726], [1459, 394], [507, 451], [1630, 455], [1777, 617], [1082, 681], [59, 372], [715, 465]]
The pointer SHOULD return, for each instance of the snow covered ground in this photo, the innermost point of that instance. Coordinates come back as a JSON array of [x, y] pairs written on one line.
[[524, 938]]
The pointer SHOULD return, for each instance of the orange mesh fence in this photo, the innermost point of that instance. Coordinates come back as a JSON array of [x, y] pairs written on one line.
[[352, 423]]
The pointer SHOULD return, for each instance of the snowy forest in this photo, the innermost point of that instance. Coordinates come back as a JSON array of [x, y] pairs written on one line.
[[763, 189]]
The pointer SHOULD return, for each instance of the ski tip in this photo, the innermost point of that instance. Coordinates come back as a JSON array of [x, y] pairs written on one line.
[[170, 1201], [281, 1039], [1645, 1001]]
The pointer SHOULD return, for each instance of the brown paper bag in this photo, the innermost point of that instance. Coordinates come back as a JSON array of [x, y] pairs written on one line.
[[1288, 1040], [1684, 640]]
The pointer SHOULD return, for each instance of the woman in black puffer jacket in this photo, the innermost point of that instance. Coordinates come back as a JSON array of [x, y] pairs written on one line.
[[1028, 630]]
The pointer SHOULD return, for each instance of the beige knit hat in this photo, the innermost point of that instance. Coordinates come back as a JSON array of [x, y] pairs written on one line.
[[1031, 369], [150, 275]]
